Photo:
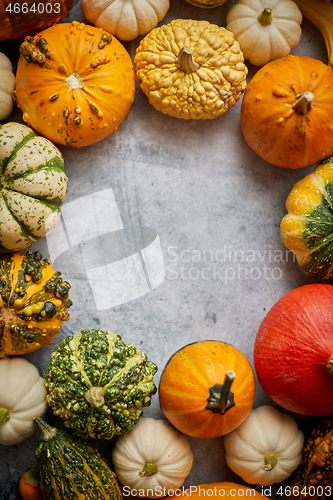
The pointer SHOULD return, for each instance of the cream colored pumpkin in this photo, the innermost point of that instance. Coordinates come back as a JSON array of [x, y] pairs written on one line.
[[22, 398], [265, 29], [33, 186], [7, 86], [151, 457], [266, 448], [125, 19]]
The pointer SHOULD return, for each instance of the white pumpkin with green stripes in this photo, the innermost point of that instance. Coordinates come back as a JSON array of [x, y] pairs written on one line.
[[33, 186]]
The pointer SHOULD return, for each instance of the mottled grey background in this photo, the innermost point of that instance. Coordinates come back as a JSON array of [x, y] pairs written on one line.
[[216, 207]]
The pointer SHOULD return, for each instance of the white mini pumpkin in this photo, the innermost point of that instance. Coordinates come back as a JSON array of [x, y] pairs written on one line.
[[7, 86], [266, 448], [151, 457], [22, 398], [265, 29], [125, 19]]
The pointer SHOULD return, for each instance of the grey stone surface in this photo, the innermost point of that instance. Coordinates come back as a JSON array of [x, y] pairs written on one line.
[[216, 208]]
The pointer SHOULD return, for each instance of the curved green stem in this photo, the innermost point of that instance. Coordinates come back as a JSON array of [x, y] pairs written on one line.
[[4, 415], [32, 476], [270, 461], [185, 61], [265, 18], [149, 469], [221, 399]]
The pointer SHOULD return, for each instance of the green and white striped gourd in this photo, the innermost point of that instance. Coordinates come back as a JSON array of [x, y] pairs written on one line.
[[33, 186], [97, 384]]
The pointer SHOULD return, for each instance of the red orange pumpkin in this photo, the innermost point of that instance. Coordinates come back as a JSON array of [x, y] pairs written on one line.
[[293, 350], [207, 389]]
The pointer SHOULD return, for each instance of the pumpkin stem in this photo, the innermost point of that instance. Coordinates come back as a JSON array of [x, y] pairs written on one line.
[[149, 469], [221, 399], [303, 102], [95, 396], [74, 81], [47, 432], [329, 364], [270, 462], [31, 477], [185, 62], [265, 18], [4, 415]]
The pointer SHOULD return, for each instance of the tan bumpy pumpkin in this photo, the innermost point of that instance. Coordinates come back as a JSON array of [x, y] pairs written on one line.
[[191, 69]]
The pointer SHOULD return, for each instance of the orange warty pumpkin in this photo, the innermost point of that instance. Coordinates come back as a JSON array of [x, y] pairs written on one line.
[[207, 389], [33, 302], [74, 83], [18, 19], [218, 490], [286, 112]]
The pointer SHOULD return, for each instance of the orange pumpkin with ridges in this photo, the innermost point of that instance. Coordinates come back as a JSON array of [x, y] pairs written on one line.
[[207, 389], [285, 112], [74, 83]]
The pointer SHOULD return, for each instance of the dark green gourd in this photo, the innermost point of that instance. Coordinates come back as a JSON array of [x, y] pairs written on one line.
[[71, 469], [97, 384]]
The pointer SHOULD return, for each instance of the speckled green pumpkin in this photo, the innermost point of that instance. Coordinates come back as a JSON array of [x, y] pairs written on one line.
[[33, 186], [307, 229], [70, 469], [34, 300], [98, 384], [314, 477]]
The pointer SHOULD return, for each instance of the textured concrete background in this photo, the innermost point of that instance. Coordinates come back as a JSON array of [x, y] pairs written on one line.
[[216, 208]]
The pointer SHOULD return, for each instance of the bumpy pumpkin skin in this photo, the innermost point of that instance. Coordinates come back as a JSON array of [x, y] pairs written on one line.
[[307, 229], [191, 69], [315, 474], [97, 384], [33, 186], [33, 302], [22, 23], [191, 375], [75, 83], [72, 469], [277, 125]]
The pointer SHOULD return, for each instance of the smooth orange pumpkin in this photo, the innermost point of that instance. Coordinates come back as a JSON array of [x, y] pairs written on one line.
[[18, 19], [218, 490], [74, 83], [286, 113], [207, 389]]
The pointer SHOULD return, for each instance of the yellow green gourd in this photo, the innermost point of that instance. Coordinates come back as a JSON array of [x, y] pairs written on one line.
[[307, 229], [70, 469]]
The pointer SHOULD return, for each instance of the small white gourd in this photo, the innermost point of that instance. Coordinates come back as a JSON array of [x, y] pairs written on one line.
[[153, 457], [266, 448], [125, 19], [265, 29], [22, 398], [7, 86]]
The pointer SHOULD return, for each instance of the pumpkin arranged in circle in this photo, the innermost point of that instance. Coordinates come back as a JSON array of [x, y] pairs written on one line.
[[285, 112], [191, 69], [21, 19], [75, 83], [307, 228], [33, 186], [207, 389], [98, 384], [33, 302], [293, 350]]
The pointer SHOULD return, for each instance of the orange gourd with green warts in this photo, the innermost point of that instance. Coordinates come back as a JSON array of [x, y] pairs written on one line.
[[74, 83], [33, 302], [207, 389]]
